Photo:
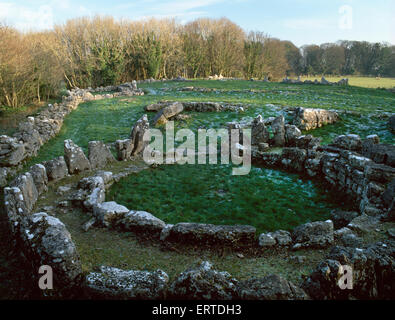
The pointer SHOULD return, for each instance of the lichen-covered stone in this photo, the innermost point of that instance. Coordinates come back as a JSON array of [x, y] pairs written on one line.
[[373, 273], [202, 282], [15, 207], [109, 213], [137, 135], [278, 127], [99, 154], [142, 222], [272, 287], [313, 235], [266, 240], [167, 112], [291, 134], [47, 242], [259, 132], [349, 142], [40, 178], [308, 119], [124, 149], [56, 169], [208, 234], [75, 158], [114, 283], [29, 191]]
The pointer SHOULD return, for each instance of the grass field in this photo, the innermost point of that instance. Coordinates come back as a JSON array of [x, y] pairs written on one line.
[[267, 199], [365, 82]]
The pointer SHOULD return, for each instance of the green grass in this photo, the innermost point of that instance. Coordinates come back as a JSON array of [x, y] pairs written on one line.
[[267, 199], [365, 82]]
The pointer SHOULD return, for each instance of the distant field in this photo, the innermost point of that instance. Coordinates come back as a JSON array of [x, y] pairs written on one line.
[[365, 82]]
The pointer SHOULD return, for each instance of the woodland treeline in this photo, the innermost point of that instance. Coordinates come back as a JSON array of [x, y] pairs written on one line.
[[92, 52]]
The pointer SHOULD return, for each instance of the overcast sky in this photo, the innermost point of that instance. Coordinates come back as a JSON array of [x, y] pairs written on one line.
[[301, 21]]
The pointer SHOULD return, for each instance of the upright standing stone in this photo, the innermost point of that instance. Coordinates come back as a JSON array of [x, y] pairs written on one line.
[[278, 131], [259, 132], [99, 154], [137, 134], [29, 191], [75, 158], [39, 174], [56, 169]]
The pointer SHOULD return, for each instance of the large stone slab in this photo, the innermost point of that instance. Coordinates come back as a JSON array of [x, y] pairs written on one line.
[[272, 287], [47, 242], [167, 112], [143, 222], [25, 183], [278, 127], [114, 283], [40, 178], [75, 158], [56, 169], [203, 282], [313, 235], [235, 236], [308, 119], [109, 213], [99, 154]]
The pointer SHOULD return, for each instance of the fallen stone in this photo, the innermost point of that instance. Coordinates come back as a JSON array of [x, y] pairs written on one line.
[[364, 223], [350, 240], [167, 112], [89, 224]]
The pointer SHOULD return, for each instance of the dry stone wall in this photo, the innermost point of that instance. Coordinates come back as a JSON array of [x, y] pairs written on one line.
[[36, 131]]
